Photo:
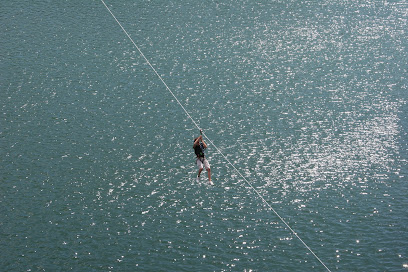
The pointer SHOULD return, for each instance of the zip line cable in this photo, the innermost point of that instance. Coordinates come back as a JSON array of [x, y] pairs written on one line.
[[210, 141], [151, 66]]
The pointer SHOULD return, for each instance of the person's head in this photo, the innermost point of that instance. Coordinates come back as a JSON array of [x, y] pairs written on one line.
[[195, 139]]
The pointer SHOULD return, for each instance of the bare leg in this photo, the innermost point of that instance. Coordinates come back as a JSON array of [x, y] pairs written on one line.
[[209, 175], [199, 172]]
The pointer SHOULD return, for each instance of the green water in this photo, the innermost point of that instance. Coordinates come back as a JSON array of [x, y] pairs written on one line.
[[308, 99]]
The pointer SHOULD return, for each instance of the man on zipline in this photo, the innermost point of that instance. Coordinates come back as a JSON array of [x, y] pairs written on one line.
[[199, 147]]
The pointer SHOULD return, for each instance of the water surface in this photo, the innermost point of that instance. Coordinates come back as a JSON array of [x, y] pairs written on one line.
[[308, 99]]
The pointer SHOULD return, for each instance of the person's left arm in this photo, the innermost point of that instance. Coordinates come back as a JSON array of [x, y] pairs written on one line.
[[204, 144]]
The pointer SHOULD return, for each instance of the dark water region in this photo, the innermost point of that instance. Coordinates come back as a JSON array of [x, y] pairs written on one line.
[[308, 99]]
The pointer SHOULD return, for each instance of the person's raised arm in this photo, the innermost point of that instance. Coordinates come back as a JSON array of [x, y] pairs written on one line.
[[197, 141], [202, 140]]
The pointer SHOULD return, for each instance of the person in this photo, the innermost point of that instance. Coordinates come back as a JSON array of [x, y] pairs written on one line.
[[199, 147]]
